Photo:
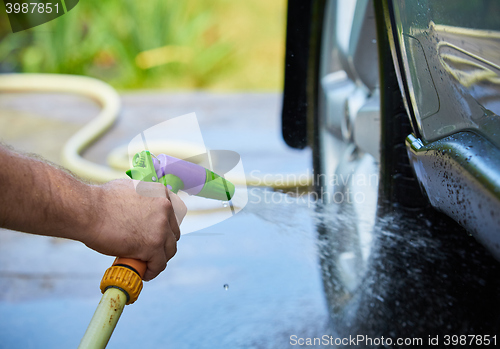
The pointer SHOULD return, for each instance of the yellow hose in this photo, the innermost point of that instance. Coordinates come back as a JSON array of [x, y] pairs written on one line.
[[97, 90], [113, 301], [109, 100], [104, 321]]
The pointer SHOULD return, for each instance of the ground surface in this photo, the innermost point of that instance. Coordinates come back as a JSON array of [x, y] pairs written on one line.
[[266, 254]]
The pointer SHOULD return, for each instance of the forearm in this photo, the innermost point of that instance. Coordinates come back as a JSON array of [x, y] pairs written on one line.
[[38, 198], [114, 218]]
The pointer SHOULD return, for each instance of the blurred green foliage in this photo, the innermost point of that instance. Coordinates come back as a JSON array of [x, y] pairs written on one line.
[[157, 44]]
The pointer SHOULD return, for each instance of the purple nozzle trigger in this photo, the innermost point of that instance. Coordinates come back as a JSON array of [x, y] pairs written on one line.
[[193, 176]]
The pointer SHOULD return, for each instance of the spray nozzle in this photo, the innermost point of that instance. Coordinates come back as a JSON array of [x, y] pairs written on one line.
[[143, 168], [182, 175]]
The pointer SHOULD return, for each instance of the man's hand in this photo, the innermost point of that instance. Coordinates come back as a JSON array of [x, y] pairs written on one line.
[[137, 223], [114, 218]]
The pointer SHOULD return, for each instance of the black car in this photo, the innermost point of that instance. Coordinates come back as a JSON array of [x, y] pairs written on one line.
[[400, 102]]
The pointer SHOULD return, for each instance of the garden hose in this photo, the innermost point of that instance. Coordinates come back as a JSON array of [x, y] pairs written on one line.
[[109, 100], [122, 282]]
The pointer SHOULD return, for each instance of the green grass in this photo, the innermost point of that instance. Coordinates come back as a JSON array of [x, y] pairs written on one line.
[[215, 45]]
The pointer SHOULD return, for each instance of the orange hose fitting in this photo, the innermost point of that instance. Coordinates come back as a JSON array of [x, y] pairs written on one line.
[[123, 278]]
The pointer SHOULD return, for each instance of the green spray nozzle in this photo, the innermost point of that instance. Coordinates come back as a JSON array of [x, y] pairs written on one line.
[[182, 175], [143, 168]]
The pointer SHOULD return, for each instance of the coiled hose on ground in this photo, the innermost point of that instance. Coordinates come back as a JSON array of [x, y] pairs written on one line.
[[109, 100]]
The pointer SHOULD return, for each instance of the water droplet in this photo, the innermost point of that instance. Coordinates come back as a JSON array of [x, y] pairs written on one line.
[[374, 41], [226, 287], [224, 204]]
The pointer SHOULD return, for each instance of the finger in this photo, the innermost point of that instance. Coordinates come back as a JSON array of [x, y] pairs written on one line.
[[170, 247], [174, 227], [155, 266], [179, 206], [149, 275], [172, 220], [150, 189]]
